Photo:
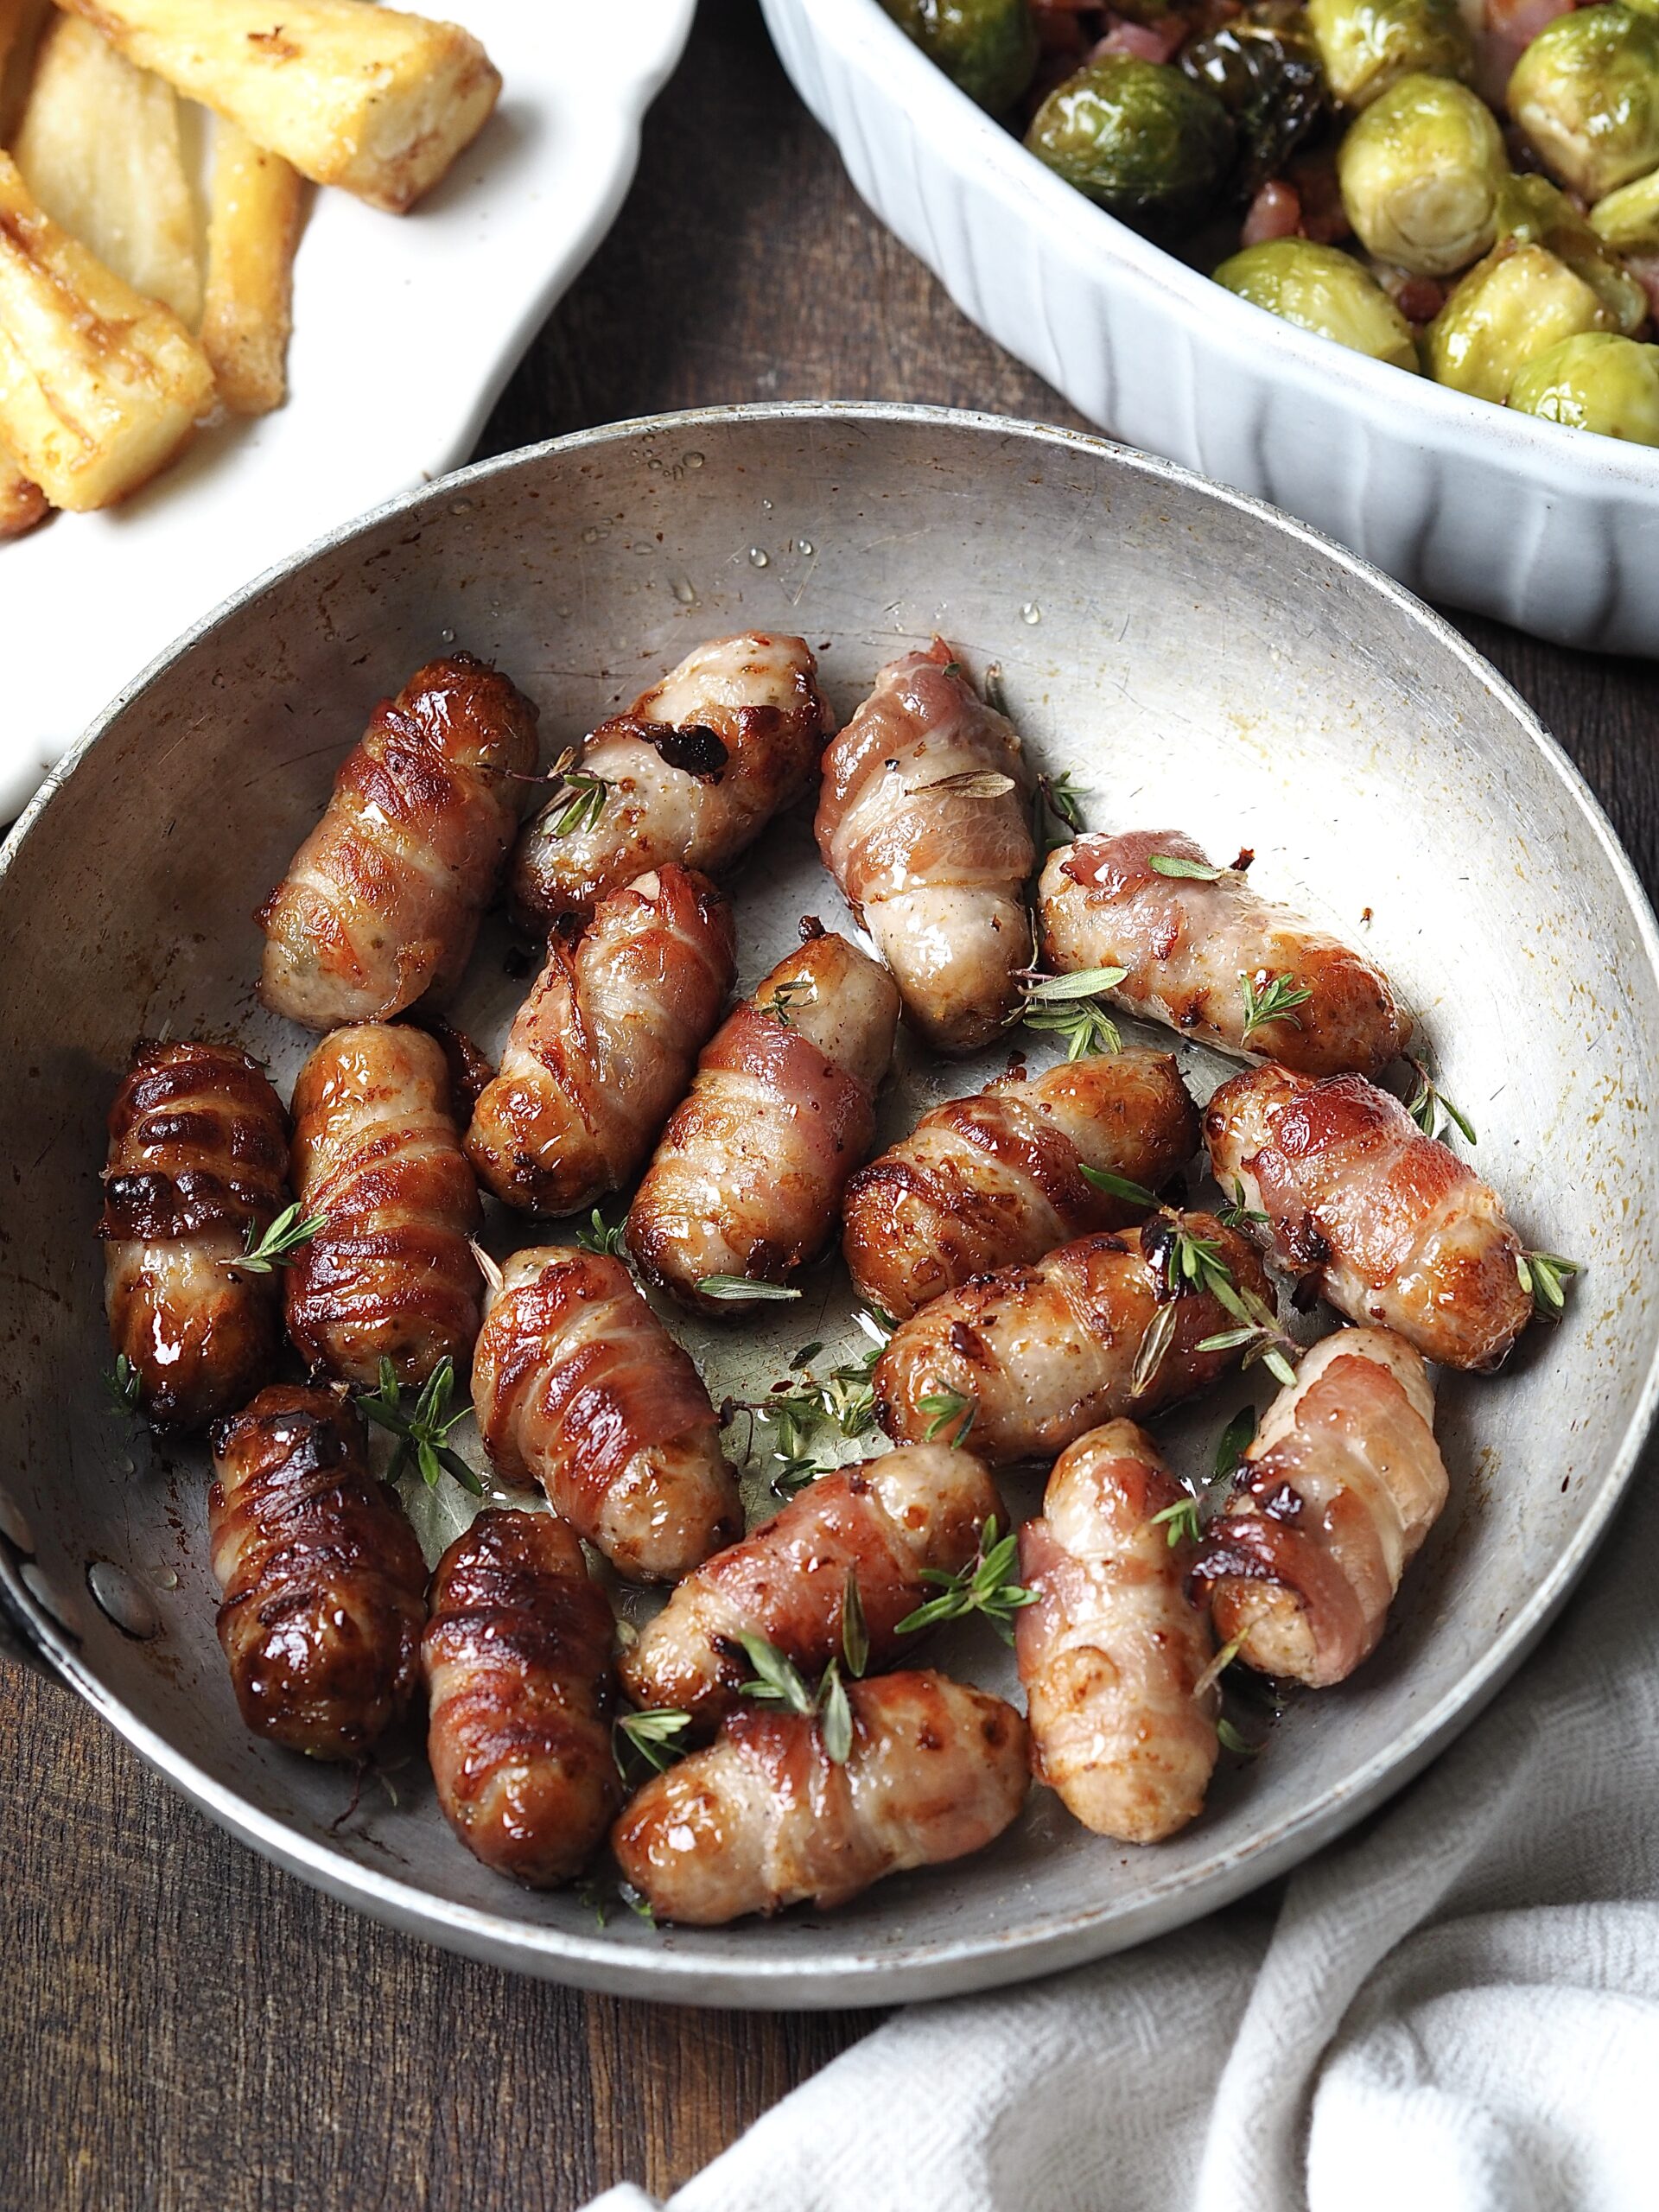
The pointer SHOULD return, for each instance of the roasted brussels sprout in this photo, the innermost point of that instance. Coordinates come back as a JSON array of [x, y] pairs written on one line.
[[1628, 219], [1594, 382], [1367, 45], [1507, 310], [987, 46], [1532, 212], [1137, 136], [1420, 171], [1320, 288], [1268, 78], [1586, 92]]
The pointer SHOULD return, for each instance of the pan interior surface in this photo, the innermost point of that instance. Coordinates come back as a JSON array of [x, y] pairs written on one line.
[[1195, 662]]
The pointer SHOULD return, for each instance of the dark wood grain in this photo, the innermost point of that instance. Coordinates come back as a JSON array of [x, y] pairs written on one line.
[[184, 2027]]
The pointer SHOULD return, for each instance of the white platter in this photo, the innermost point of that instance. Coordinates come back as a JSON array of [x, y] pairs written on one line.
[[405, 329]]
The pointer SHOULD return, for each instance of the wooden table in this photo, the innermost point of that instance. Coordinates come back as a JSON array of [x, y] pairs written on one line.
[[185, 2027]]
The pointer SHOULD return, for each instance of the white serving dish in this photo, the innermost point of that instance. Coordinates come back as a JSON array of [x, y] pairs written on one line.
[[1552, 530], [405, 329]]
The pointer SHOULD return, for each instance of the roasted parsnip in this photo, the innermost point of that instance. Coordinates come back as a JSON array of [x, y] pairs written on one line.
[[254, 227]]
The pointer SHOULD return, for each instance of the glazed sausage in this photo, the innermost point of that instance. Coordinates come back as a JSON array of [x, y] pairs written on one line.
[[998, 1180], [578, 1387], [198, 1160], [381, 904], [882, 1522], [1188, 945], [517, 1657], [748, 1177], [390, 1274], [936, 872], [324, 1586], [1043, 1354], [764, 1818], [692, 772], [1114, 1649], [604, 1045], [1389, 1224], [1334, 1498]]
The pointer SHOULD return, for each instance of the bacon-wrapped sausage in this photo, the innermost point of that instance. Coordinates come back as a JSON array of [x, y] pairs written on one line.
[[993, 1180], [390, 1274], [881, 1522], [1389, 1224], [1190, 946], [692, 772], [924, 822], [517, 1663], [381, 904], [198, 1158], [749, 1174], [1340, 1487], [578, 1387], [1028, 1359], [604, 1047], [764, 1818], [324, 1586], [1114, 1649]]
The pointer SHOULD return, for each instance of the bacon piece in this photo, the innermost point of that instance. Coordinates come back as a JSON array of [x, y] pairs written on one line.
[[580, 1388], [1188, 944], [1144, 41], [1275, 213], [749, 1174], [324, 1584], [998, 1180], [1335, 1497], [764, 1819], [390, 1274], [518, 1663], [381, 904], [1041, 1355], [1112, 1652], [1387, 1225], [198, 1167], [937, 873], [604, 1045], [882, 1523], [692, 772]]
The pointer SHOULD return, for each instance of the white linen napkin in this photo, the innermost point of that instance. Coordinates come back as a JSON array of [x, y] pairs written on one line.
[[1454, 2010]]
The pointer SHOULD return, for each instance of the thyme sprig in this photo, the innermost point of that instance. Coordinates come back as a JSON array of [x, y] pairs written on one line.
[[1176, 864], [422, 1430], [280, 1243], [1070, 1006], [1432, 1110], [967, 783], [1056, 813], [608, 1239], [652, 1735], [578, 799], [985, 1585], [736, 1286], [1117, 1186], [795, 991], [777, 1682], [124, 1384], [1269, 998], [1186, 1263], [1180, 1522], [1542, 1274], [1233, 1442], [946, 1406], [1235, 1213], [797, 1416]]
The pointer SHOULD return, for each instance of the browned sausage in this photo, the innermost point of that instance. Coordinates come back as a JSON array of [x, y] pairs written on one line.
[[381, 904], [603, 1048], [517, 1663], [764, 1818], [391, 1274], [993, 1180], [198, 1165], [324, 1584]]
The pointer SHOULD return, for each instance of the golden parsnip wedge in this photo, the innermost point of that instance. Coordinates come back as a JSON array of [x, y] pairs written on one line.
[[99, 149], [98, 385], [354, 95], [21, 504], [254, 227]]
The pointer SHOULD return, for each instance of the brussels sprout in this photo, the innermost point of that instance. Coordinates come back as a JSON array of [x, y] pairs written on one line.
[[1136, 136], [1532, 211], [1420, 172], [1318, 288], [1268, 78], [1511, 308], [987, 46], [1586, 92], [1594, 382], [1367, 45], [1628, 219]]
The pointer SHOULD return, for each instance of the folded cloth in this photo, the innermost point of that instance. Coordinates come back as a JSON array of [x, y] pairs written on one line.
[[1455, 2009]]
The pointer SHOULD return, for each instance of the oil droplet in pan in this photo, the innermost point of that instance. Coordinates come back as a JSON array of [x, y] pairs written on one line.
[[125, 1600], [1031, 612], [759, 558], [683, 591]]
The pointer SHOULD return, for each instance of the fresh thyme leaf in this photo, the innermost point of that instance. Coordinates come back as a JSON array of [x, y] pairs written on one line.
[[834, 1716], [854, 1630], [806, 1357], [984, 1586], [1234, 1441], [578, 800], [1173, 864], [652, 1735], [422, 1432], [1188, 1263], [995, 697], [608, 1239], [592, 1899], [742, 1286], [952, 668], [947, 1405], [1541, 1274], [123, 1383], [1230, 1740], [1084, 983], [1069, 1006], [1118, 1187], [1056, 810], [1432, 1110], [1269, 998], [968, 783], [1219, 1665], [1235, 1214], [1179, 1522], [776, 1680], [280, 1242], [1154, 1344], [636, 1902], [794, 991]]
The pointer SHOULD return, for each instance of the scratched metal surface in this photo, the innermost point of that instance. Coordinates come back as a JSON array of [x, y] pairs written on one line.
[[1193, 660]]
